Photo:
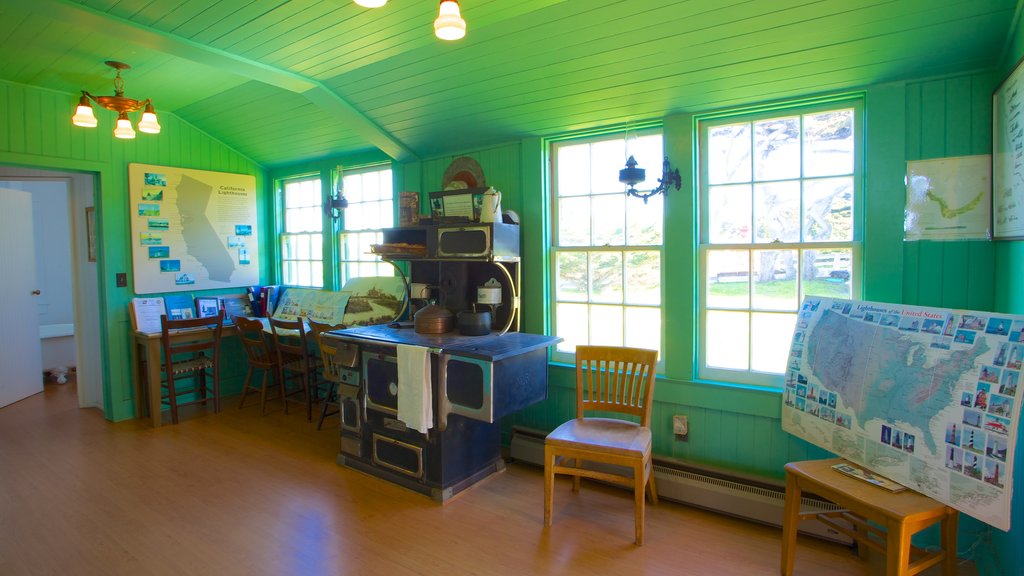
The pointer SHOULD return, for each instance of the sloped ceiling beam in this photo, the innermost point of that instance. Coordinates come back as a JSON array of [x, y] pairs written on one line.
[[314, 91]]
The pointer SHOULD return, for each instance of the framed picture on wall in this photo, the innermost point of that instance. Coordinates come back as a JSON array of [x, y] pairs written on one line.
[[1007, 162], [90, 231]]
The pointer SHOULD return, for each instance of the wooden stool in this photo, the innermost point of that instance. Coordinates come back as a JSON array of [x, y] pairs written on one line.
[[902, 515]]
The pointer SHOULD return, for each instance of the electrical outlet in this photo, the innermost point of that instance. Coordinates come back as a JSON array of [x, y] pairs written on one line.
[[680, 427], [121, 279]]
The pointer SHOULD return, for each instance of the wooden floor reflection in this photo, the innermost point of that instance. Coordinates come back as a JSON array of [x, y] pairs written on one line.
[[236, 493]]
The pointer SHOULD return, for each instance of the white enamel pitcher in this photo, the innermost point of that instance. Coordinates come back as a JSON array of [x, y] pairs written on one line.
[[490, 209]]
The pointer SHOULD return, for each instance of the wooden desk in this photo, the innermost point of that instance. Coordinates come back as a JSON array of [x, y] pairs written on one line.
[[146, 365], [901, 515]]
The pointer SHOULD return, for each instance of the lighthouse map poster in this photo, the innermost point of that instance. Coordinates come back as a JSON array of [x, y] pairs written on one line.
[[192, 229], [925, 396]]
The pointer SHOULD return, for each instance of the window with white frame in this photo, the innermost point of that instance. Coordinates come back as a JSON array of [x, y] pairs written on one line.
[[778, 203], [370, 209], [301, 239], [606, 246]]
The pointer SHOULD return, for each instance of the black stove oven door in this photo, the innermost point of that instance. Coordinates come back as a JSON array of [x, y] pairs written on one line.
[[466, 386], [380, 374]]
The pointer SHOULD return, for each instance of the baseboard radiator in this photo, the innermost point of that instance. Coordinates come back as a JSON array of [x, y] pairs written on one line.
[[751, 500]]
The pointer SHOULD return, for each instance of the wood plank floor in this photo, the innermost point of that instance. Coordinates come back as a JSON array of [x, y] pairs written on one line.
[[236, 493]]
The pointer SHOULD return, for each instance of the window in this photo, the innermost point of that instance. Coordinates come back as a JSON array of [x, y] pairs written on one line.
[[607, 246], [370, 209], [302, 234], [778, 205]]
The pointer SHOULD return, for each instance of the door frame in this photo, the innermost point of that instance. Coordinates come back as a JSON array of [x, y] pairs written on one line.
[[81, 190]]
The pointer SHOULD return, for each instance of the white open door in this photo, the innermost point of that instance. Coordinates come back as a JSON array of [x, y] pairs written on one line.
[[21, 371]]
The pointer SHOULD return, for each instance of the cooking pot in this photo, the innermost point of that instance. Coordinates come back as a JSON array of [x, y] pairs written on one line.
[[433, 319], [473, 323]]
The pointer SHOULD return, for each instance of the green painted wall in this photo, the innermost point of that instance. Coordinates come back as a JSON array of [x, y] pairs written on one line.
[[1009, 297], [737, 428], [36, 132]]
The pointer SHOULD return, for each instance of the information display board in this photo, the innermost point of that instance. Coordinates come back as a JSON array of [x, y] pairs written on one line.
[[1007, 159], [192, 229], [924, 396]]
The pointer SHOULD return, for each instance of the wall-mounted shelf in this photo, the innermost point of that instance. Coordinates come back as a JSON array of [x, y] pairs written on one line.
[[493, 241]]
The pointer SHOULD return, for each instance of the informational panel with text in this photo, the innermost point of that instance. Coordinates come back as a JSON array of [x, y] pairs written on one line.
[[925, 396], [192, 229], [1008, 157]]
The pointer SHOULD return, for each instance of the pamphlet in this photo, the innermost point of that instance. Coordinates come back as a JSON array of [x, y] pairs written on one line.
[[238, 305], [180, 306], [147, 314], [869, 477]]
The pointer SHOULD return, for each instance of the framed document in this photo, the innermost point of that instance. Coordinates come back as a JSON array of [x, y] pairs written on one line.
[[948, 198], [1007, 161]]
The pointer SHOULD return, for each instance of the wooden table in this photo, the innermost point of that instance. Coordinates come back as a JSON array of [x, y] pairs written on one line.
[[146, 365], [901, 515]]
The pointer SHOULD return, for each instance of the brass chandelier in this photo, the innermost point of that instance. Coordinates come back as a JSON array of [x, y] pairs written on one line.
[[118, 103]]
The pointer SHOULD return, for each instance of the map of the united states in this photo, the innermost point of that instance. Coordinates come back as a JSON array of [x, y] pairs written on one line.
[[927, 397], [887, 374]]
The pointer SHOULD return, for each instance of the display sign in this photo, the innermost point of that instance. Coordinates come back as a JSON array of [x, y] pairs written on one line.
[[926, 397], [1007, 160], [192, 229]]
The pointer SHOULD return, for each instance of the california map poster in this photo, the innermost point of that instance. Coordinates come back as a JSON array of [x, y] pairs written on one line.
[[192, 229], [925, 396]]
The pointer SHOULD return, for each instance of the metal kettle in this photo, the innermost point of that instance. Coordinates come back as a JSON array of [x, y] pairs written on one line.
[[490, 209]]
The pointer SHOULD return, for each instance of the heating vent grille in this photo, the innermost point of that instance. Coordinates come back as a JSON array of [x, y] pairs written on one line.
[[770, 493]]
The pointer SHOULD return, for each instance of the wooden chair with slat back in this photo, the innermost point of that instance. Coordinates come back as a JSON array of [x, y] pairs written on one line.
[[329, 368], [295, 362], [608, 380], [261, 356], [191, 351]]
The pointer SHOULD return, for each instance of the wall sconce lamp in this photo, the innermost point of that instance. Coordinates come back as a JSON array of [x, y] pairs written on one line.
[[118, 103], [631, 175], [336, 203]]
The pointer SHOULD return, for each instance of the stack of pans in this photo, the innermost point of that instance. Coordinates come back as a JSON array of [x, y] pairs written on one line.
[[433, 319]]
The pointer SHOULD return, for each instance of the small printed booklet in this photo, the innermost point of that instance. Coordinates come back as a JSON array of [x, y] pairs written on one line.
[[869, 477], [146, 314]]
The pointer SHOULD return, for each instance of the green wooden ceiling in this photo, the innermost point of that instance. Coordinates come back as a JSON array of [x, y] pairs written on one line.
[[284, 81]]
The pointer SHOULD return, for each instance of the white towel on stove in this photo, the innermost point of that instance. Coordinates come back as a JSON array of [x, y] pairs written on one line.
[[415, 402]]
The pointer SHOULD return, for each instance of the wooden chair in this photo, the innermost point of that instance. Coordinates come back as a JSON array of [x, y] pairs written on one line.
[[329, 369], [191, 351], [295, 362], [261, 356], [610, 380]]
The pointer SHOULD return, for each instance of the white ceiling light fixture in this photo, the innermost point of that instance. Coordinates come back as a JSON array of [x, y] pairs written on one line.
[[118, 103], [371, 3], [449, 24]]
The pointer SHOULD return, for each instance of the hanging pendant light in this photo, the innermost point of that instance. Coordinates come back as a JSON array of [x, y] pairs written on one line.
[[371, 3], [449, 24], [83, 114], [148, 123], [124, 127], [119, 103]]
